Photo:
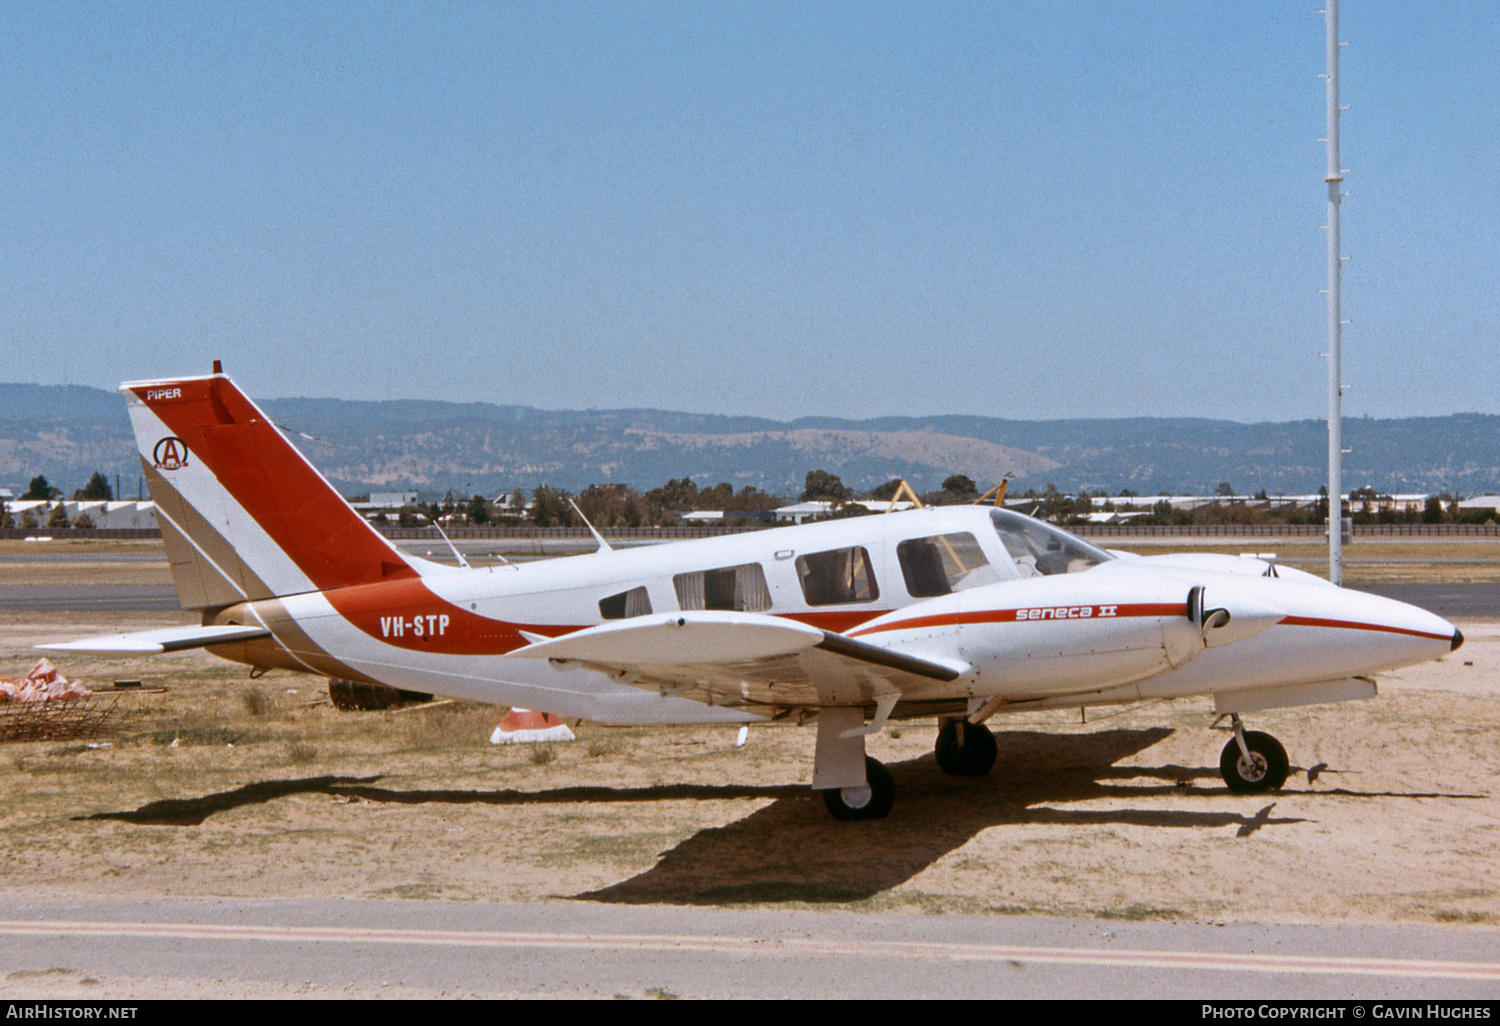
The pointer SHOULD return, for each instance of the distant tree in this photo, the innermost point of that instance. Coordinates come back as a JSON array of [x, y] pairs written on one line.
[[83, 521], [40, 489], [676, 495], [957, 489], [96, 490], [824, 487], [1055, 502], [616, 505], [1432, 511], [887, 491], [752, 499], [58, 517], [1225, 488], [6, 520], [479, 510], [549, 507], [718, 497], [961, 484]]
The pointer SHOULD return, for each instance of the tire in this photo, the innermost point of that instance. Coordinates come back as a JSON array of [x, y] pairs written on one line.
[[973, 758], [1266, 772], [872, 802]]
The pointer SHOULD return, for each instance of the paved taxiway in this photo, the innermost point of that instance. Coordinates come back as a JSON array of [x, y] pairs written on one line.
[[227, 948]]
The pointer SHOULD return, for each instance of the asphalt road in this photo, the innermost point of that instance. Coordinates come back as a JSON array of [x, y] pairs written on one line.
[[227, 948]]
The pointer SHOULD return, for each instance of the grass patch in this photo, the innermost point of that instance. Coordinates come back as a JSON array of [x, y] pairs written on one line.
[[182, 735], [1138, 913], [258, 703]]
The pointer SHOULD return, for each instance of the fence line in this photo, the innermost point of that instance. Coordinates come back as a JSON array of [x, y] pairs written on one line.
[[677, 533]]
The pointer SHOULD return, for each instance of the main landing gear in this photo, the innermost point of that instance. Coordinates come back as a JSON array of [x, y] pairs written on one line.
[[873, 800], [964, 749], [1253, 762]]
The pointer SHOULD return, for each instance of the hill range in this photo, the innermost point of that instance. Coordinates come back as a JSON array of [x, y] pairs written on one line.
[[66, 432]]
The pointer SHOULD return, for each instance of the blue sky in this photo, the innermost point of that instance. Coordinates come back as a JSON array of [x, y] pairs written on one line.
[[1026, 210]]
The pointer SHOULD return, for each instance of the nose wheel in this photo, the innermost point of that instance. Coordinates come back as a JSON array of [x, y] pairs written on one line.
[[1253, 762]]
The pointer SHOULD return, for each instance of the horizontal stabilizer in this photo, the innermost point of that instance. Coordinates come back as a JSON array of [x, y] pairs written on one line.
[[168, 639]]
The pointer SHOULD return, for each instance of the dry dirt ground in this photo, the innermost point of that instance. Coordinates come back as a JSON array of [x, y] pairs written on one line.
[[224, 786]]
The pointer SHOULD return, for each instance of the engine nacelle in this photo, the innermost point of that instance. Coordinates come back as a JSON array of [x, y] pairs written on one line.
[[1066, 634]]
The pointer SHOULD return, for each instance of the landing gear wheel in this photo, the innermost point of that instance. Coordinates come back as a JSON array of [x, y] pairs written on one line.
[[873, 801], [974, 756], [1265, 770]]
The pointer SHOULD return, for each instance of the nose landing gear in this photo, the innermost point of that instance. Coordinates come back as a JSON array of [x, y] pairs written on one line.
[[1253, 762]]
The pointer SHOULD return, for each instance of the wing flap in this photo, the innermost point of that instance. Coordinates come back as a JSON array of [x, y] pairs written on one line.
[[167, 639], [684, 639]]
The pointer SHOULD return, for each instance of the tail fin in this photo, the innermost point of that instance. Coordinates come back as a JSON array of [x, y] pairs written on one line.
[[244, 515]]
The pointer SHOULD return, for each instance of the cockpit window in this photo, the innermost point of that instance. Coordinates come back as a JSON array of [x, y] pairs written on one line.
[[1042, 550]]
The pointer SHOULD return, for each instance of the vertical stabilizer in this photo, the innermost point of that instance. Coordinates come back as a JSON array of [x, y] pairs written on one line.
[[244, 515]]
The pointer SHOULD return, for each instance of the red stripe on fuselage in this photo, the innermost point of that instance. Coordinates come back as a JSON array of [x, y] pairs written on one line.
[[1352, 625], [409, 615], [1030, 614], [271, 481]]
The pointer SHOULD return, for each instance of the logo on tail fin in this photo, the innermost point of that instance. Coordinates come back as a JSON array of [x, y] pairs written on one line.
[[171, 453]]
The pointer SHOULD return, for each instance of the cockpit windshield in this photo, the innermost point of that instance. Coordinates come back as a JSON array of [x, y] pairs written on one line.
[[1042, 550]]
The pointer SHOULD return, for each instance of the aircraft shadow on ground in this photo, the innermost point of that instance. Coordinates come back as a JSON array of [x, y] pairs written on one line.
[[794, 851]]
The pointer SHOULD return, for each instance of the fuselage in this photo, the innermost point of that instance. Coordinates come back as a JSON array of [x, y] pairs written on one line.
[[1036, 614]]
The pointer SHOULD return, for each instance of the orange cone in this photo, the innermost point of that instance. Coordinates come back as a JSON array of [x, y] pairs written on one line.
[[524, 726]]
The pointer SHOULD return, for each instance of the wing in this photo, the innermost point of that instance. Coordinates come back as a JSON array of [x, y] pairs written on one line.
[[167, 639], [747, 659]]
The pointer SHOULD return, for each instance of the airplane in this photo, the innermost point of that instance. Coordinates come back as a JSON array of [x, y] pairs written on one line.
[[953, 613]]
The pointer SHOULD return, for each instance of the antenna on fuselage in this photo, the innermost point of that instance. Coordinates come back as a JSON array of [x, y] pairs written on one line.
[[603, 545], [453, 548]]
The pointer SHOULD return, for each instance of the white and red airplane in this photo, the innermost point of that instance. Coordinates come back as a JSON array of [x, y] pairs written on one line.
[[957, 613]]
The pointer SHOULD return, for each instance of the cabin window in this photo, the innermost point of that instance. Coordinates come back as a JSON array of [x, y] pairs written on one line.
[[738, 588], [836, 577], [634, 602], [942, 564]]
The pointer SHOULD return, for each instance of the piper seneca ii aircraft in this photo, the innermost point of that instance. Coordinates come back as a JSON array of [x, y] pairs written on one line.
[[956, 613]]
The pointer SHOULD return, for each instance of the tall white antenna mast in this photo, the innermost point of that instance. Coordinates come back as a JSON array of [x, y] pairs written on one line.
[[1335, 180]]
